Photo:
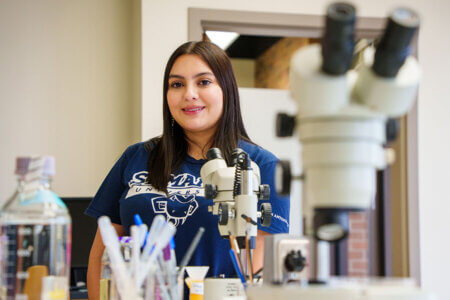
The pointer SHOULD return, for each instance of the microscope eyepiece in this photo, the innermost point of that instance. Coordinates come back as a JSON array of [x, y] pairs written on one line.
[[213, 153], [338, 42], [394, 46]]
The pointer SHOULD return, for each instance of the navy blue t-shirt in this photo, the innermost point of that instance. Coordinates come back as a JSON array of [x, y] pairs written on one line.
[[124, 193]]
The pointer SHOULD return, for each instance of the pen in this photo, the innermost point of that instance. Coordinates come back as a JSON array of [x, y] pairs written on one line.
[[236, 267], [249, 257]]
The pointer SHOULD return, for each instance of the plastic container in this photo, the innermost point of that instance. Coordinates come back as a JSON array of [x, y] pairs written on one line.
[[35, 234], [108, 289]]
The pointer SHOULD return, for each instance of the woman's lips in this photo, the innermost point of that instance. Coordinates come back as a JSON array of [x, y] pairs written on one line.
[[193, 110]]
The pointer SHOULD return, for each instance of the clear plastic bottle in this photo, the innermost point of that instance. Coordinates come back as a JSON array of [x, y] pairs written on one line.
[[35, 235]]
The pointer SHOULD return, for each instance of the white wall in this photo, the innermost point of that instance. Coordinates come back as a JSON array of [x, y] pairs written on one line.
[[264, 134], [165, 27], [65, 88]]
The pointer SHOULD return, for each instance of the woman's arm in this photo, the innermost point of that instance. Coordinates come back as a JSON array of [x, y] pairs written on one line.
[[258, 254], [95, 263]]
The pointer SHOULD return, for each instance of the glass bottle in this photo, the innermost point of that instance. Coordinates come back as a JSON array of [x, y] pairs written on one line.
[[35, 235]]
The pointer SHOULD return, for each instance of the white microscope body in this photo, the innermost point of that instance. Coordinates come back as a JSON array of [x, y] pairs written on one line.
[[341, 123], [342, 126], [235, 190]]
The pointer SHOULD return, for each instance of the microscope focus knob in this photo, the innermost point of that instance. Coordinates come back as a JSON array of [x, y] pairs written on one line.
[[295, 261], [210, 191], [283, 178], [264, 192], [266, 214], [213, 153], [392, 128], [285, 125], [223, 214]]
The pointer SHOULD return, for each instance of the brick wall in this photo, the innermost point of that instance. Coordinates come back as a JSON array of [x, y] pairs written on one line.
[[358, 245]]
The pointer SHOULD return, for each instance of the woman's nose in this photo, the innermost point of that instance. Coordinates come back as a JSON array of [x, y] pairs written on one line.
[[191, 92]]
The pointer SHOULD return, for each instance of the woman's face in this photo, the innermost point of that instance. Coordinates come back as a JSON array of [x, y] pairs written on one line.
[[195, 98]]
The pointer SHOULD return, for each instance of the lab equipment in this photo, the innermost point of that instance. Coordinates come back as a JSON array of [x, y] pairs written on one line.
[[287, 258], [342, 123], [164, 237], [235, 191], [124, 283], [195, 281], [223, 288], [108, 290], [170, 268], [35, 233], [131, 267]]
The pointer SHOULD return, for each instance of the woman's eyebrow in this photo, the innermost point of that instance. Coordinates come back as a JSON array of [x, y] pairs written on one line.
[[175, 76], [203, 73], [195, 76]]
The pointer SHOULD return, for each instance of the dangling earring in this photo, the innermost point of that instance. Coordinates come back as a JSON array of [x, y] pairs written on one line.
[[172, 123]]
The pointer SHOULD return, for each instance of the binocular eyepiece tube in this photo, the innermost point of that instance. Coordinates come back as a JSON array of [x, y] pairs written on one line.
[[338, 40]]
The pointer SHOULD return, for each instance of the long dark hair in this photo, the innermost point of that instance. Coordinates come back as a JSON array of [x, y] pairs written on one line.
[[170, 149]]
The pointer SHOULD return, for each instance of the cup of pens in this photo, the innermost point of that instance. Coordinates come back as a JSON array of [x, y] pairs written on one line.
[[149, 269]]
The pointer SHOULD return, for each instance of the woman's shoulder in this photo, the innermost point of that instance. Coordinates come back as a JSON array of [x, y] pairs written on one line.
[[132, 151], [257, 153], [146, 146], [140, 149]]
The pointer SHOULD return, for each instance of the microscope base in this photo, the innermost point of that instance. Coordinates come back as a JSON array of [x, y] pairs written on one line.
[[326, 292]]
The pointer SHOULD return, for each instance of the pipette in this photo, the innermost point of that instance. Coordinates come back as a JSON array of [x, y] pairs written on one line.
[[170, 269], [157, 225], [164, 237], [190, 250], [135, 249], [143, 229], [111, 241]]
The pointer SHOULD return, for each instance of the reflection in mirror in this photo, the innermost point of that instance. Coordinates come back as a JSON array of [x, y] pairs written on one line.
[[263, 61]]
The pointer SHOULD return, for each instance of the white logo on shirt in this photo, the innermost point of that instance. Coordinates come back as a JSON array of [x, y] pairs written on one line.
[[183, 190], [177, 208]]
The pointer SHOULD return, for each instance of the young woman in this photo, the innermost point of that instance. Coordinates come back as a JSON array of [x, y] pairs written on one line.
[[162, 176]]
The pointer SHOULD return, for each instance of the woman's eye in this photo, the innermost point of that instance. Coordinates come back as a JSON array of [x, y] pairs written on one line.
[[176, 84], [205, 82]]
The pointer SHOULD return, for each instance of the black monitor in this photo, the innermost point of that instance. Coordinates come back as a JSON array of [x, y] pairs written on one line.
[[83, 230], [83, 233]]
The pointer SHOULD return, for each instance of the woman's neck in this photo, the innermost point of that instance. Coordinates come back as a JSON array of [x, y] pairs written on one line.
[[198, 144]]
